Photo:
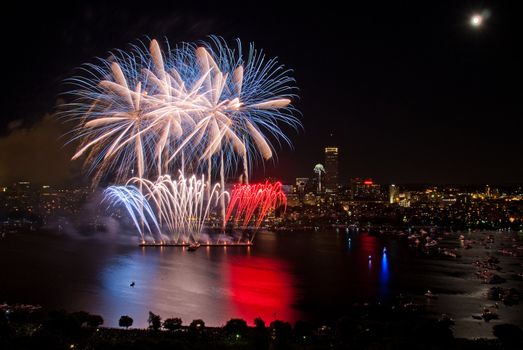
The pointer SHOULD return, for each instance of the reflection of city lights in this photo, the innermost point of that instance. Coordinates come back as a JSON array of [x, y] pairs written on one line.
[[384, 273]]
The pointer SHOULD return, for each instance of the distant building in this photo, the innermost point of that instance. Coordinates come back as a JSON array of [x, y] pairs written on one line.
[[293, 200], [393, 193], [301, 187], [302, 183], [319, 170], [286, 189], [331, 169], [404, 199], [365, 189]]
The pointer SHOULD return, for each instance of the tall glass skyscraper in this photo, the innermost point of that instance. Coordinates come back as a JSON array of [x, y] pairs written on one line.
[[331, 169]]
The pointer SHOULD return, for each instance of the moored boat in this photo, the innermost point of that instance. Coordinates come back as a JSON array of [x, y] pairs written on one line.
[[193, 247]]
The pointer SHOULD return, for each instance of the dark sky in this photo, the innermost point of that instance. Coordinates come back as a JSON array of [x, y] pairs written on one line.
[[412, 92]]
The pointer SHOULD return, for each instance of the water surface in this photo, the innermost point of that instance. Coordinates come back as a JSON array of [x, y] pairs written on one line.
[[314, 276]]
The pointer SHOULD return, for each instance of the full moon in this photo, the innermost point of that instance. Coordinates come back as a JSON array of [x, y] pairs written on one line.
[[476, 20]]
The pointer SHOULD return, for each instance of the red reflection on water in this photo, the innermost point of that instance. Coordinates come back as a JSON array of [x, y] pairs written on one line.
[[369, 244], [365, 252], [261, 287]]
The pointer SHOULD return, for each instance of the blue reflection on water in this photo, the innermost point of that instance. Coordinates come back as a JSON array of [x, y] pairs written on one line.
[[384, 275], [119, 296]]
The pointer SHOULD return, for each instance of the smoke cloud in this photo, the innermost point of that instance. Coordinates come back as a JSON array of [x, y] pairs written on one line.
[[37, 154]]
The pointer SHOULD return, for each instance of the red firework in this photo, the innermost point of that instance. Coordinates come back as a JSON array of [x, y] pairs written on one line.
[[254, 201]]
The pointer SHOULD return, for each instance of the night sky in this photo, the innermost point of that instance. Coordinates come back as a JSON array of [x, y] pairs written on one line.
[[410, 91]]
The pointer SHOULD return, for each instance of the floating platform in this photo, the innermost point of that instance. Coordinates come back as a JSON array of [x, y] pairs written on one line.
[[241, 244]]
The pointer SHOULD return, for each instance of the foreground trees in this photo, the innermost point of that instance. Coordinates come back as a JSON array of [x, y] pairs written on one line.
[[172, 324], [95, 321], [369, 327], [125, 321], [155, 321], [236, 327], [197, 326]]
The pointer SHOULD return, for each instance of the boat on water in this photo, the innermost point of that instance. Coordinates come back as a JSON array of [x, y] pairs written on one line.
[[431, 295], [447, 320], [431, 243], [449, 252], [192, 247], [488, 315]]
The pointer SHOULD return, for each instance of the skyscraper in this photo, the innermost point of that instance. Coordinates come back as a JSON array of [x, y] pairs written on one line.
[[393, 193], [331, 169], [364, 189]]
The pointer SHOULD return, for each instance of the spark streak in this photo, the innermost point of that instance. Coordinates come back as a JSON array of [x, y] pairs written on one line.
[[178, 208], [251, 203]]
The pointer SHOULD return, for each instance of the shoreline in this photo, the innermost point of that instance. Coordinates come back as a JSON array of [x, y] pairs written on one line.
[[239, 244], [366, 325]]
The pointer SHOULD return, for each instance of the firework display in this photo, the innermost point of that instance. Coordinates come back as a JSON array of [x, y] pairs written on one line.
[[201, 109], [250, 204], [137, 208], [178, 208]]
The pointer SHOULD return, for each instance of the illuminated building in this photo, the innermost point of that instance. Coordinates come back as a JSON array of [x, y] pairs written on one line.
[[393, 193], [302, 185], [319, 169], [331, 169], [404, 199], [364, 189]]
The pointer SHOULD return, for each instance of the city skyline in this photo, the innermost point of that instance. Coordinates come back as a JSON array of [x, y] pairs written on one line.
[[342, 180], [316, 176], [439, 104]]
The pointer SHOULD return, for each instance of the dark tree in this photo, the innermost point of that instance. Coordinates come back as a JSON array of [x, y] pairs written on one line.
[[235, 326], [172, 324], [259, 323], [125, 321], [510, 335], [281, 333], [303, 330], [79, 317], [58, 319], [261, 340], [95, 321], [197, 326], [155, 321]]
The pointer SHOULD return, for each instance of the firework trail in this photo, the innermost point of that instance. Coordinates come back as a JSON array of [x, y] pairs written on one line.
[[136, 205], [179, 208], [251, 203], [206, 104]]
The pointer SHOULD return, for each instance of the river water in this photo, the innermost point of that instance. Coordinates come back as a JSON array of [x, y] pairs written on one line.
[[308, 275]]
